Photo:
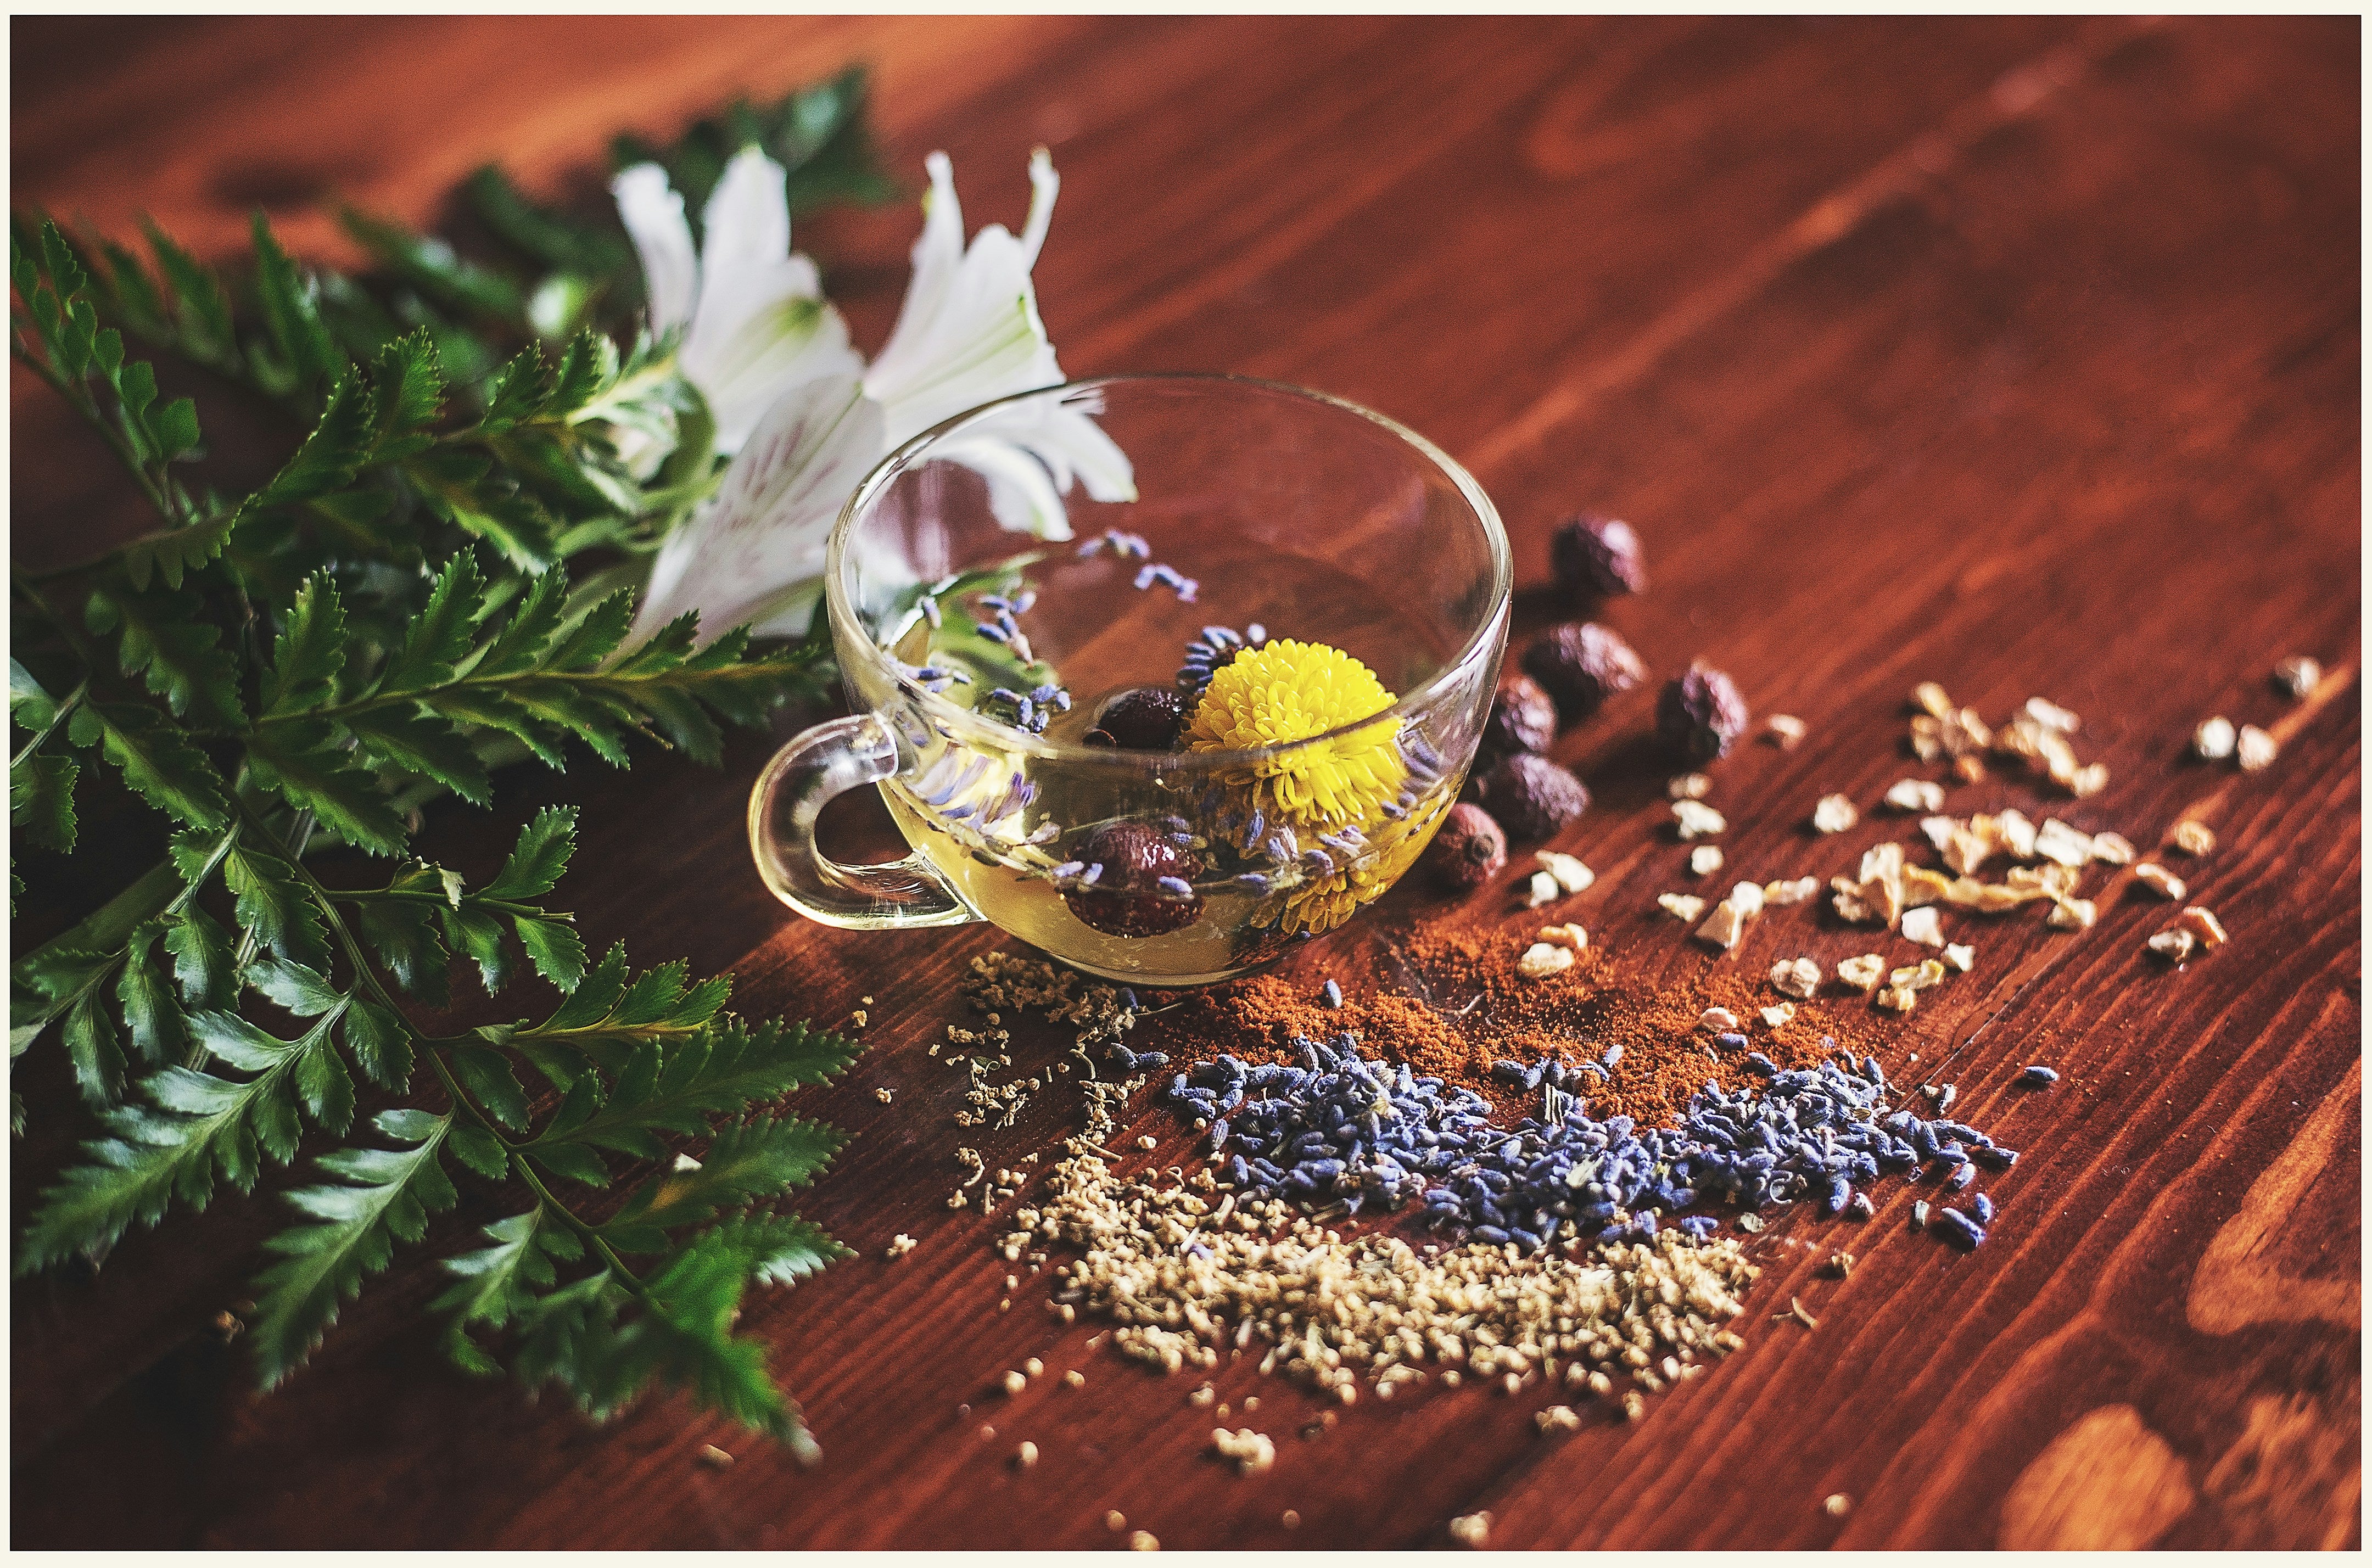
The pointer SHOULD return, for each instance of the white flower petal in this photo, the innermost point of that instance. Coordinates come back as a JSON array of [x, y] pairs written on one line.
[[654, 219], [786, 335], [760, 540], [1021, 491]]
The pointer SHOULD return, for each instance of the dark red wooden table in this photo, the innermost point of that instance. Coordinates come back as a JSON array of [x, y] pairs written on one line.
[[2019, 354]]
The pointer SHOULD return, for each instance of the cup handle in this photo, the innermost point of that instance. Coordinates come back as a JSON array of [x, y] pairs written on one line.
[[817, 766]]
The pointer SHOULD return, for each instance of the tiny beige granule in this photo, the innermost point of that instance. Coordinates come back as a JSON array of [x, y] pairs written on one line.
[[1290, 1519], [1203, 1398], [1862, 974], [1566, 935], [1779, 1017], [2071, 914], [2158, 879], [900, 1245], [1115, 1521], [1694, 820], [2256, 749], [1897, 999], [1148, 1142], [715, 1457], [1961, 957], [1786, 731], [1834, 814], [1921, 975], [2202, 925], [1915, 795], [1541, 889], [1931, 698], [2195, 837], [1718, 1018], [1143, 1540], [1015, 1381], [1541, 959], [1034, 1367], [1838, 1505], [2088, 780], [1682, 906], [1794, 891], [1571, 875], [1923, 925], [1074, 1378], [1798, 978], [884, 1095], [1471, 1531], [1689, 786], [1026, 1456], [1704, 860], [2045, 712], [1557, 1417], [2298, 675], [2214, 739], [2174, 945], [1252, 1452], [1747, 896]]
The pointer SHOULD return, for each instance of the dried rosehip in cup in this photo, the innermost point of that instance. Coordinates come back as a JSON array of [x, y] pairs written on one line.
[[1523, 718], [1580, 664], [1143, 718], [1144, 886], [1532, 797], [1469, 850], [1699, 716], [1596, 557]]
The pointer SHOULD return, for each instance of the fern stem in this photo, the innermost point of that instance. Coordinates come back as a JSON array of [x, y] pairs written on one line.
[[66, 707], [79, 398]]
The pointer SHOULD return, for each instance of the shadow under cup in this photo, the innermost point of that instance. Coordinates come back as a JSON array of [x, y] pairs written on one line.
[[978, 657]]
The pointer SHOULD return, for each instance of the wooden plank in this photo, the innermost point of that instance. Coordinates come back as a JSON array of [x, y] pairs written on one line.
[[2021, 355]]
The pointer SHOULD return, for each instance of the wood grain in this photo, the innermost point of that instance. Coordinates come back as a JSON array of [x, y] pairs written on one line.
[[2019, 354]]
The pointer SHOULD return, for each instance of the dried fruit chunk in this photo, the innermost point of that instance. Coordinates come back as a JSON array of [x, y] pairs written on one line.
[[2203, 925], [1717, 1018], [1915, 795], [1522, 717], [1794, 891], [1682, 906], [2068, 845], [1696, 819], [1142, 882], [1700, 714], [1924, 926], [1834, 814], [1566, 935], [1143, 718], [1580, 665], [1780, 1015], [1571, 875], [2112, 849], [1469, 850], [1723, 927], [1961, 957], [1543, 959], [2073, 914], [2215, 738], [1532, 797], [1704, 860], [1862, 974], [2174, 945], [1796, 977], [1593, 556], [2255, 750]]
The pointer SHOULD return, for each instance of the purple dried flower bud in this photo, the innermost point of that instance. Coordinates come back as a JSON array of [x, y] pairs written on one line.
[[1468, 851], [1596, 557], [1532, 797], [1523, 718], [1700, 715], [1580, 665]]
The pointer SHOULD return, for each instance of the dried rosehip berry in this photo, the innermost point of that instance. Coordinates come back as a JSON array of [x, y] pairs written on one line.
[[1522, 717], [1532, 797], [1596, 557], [1144, 888], [1581, 664], [1469, 850], [1143, 718], [1701, 714]]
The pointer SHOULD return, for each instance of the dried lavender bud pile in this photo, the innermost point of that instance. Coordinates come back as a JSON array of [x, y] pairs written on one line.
[[1343, 1127]]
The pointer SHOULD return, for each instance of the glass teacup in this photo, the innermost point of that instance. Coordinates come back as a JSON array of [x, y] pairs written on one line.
[[1078, 736]]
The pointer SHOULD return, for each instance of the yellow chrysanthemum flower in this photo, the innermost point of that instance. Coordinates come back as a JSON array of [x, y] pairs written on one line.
[[1288, 691]]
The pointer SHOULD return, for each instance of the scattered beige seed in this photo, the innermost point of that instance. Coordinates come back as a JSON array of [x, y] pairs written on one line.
[[1684, 906], [1142, 1540], [1541, 889], [1923, 925], [715, 1457], [1689, 786], [2215, 738], [1074, 1378], [1779, 1017], [1921, 976], [2088, 780], [1796, 977], [2174, 945], [1291, 1519], [1838, 1505], [1572, 876], [1723, 927], [2257, 750], [2020, 836], [2058, 842], [1115, 1521], [1148, 1142], [1720, 1018], [1566, 935], [1896, 999], [2045, 712], [1471, 1531], [1696, 820], [2071, 914], [1834, 814], [988, 1434], [2203, 925], [2158, 879], [1786, 731], [1932, 699], [1251, 1451], [1026, 1456], [1704, 860], [1541, 959], [1034, 1367], [1862, 974], [2112, 849], [2298, 675], [1202, 1398], [1794, 892], [1557, 1417], [1961, 957], [1915, 795], [884, 1095], [1015, 1382], [2195, 837], [900, 1245]]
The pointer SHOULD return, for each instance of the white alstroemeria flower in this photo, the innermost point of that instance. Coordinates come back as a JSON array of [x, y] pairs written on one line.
[[753, 310], [969, 333]]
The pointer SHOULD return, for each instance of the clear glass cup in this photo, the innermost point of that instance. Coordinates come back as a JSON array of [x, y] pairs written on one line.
[[1295, 516]]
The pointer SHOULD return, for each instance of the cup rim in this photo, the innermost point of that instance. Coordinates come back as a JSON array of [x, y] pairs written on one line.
[[848, 627]]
